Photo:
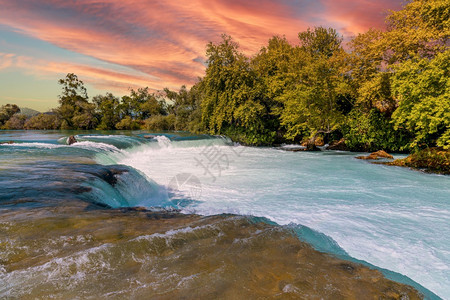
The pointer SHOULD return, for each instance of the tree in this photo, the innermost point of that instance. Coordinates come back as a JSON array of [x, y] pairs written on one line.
[[7, 111], [320, 41], [75, 111], [43, 121], [15, 122], [311, 106], [108, 110], [422, 87], [128, 123], [185, 107], [233, 101], [420, 30], [142, 104]]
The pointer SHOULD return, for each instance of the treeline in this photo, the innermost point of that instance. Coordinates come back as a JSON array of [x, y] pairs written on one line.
[[387, 89]]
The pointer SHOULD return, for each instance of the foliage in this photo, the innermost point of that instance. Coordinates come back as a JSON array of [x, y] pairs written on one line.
[[311, 104], [142, 104], [423, 89], [75, 111], [15, 122], [108, 107], [434, 160], [7, 111], [372, 131], [43, 121], [128, 123], [186, 108], [160, 123], [233, 96]]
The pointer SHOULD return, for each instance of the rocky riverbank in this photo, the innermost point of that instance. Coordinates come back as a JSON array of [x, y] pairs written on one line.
[[431, 160]]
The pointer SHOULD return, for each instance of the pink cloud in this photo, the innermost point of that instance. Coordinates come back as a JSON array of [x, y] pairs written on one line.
[[359, 16], [164, 41]]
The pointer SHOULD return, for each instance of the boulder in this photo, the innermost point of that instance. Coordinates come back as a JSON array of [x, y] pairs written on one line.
[[311, 147], [71, 140], [308, 146], [376, 155], [338, 145]]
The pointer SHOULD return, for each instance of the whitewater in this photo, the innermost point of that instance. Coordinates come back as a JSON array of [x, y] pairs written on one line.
[[393, 218]]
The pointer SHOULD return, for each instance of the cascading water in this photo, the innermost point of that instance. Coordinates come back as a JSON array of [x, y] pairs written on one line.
[[379, 214], [355, 210]]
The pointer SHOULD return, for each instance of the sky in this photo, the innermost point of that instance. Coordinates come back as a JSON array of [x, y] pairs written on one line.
[[115, 45]]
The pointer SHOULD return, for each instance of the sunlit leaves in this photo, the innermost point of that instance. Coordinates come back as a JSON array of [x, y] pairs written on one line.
[[423, 89]]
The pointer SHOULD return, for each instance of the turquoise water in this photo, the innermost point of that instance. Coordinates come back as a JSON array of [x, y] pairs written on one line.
[[393, 218]]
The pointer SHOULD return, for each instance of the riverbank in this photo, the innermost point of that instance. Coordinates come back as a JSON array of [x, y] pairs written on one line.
[[430, 160]]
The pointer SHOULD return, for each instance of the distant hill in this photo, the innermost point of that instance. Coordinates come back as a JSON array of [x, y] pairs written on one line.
[[29, 112]]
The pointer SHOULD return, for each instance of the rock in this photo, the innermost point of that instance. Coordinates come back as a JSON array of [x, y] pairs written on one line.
[[110, 175], [7, 142], [382, 154], [338, 145], [430, 160], [311, 147], [292, 148], [71, 140], [376, 155]]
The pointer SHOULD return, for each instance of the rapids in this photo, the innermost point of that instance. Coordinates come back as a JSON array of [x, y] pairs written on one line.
[[394, 219]]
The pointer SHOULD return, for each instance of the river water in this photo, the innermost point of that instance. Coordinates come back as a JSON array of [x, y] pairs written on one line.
[[393, 219]]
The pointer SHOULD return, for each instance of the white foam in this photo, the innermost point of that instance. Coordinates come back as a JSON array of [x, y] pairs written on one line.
[[394, 218], [95, 146], [34, 145]]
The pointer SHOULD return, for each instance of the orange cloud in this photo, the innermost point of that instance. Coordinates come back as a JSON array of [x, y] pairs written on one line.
[[162, 43]]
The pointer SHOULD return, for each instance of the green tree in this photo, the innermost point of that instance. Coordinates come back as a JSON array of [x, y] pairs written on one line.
[[128, 123], [17, 121], [185, 107], [421, 29], [371, 131], [7, 111], [141, 104], [311, 106], [233, 100], [75, 111], [43, 121], [108, 110], [422, 87]]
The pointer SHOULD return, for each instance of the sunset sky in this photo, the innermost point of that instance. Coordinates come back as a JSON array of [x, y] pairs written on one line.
[[113, 45]]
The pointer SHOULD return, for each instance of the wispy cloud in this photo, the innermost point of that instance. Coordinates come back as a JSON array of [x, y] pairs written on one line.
[[162, 43]]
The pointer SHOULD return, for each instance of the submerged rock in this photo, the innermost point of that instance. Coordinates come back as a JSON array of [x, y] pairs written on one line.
[[376, 155], [71, 140]]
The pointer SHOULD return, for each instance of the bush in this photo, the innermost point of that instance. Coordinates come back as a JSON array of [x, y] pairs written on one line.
[[43, 121], [128, 124], [160, 122], [15, 122], [373, 131]]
